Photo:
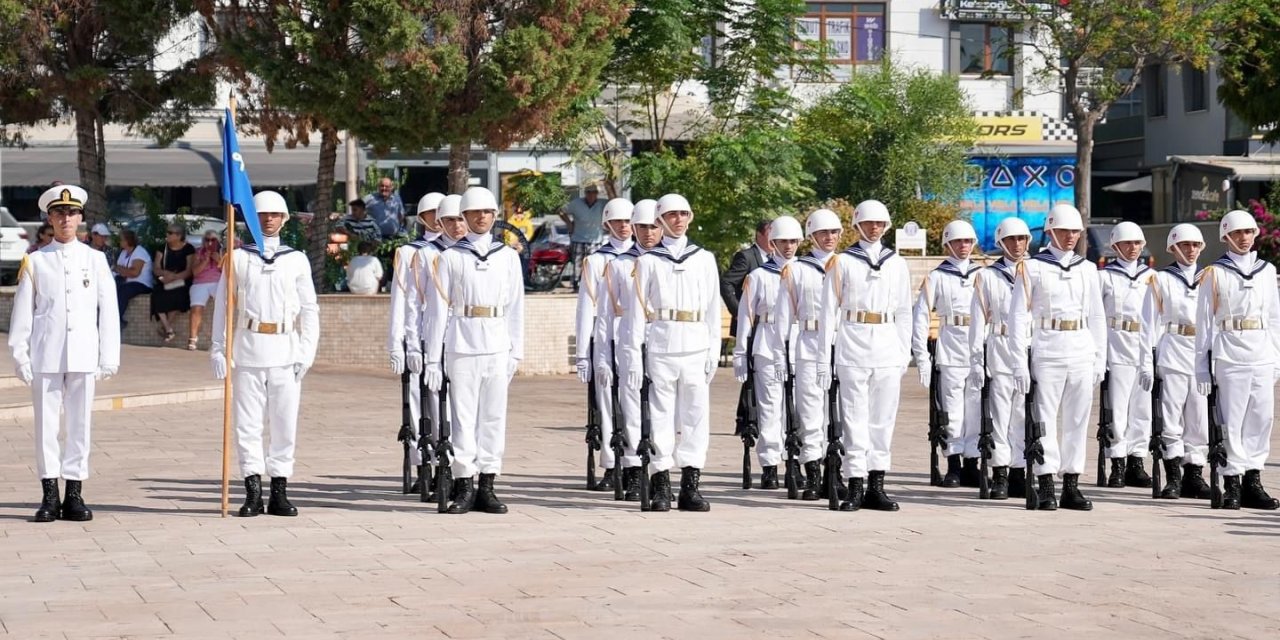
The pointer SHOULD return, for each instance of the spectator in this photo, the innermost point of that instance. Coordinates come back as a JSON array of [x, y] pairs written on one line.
[[359, 224], [386, 209], [100, 239], [744, 262], [43, 237], [133, 272], [584, 217], [364, 274], [173, 269], [207, 268]]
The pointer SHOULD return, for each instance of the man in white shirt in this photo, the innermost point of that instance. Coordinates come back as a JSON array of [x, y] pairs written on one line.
[[75, 342], [364, 273]]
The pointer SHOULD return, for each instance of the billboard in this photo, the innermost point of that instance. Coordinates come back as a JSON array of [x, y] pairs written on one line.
[[1023, 186]]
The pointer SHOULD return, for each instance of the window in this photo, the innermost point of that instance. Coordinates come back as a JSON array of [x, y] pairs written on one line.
[[983, 48], [1156, 93], [1195, 89], [854, 33]]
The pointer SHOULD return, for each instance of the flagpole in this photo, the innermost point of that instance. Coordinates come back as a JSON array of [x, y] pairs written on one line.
[[229, 267]]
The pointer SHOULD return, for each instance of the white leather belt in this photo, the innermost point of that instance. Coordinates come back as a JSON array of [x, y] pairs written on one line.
[[868, 317], [999, 329], [1242, 324], [257, 326], [473, 311], [1125, 324], [1180, 329], [766, 318], [676, 315], [1062, 324], [955, 321], [809, 325]]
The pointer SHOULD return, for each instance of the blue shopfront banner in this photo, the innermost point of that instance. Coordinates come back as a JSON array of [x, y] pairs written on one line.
[[1025, 186]]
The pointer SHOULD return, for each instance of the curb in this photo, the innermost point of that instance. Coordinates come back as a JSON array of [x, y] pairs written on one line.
[[125, 401]]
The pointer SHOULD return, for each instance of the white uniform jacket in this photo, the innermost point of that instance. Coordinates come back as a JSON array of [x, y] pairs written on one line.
[[992, 292], [590, 289], [421, 305], [616, 297], [947, 290], [678, 295], [1056, 310], [1124, 288], [65, 318], [799, 306], [1169, 318], [403, 291], [1237, 314], [757, 305], [481, 291], [867, 301], [277, 320]]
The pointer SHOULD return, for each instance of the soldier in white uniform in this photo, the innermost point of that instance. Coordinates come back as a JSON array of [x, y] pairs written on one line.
[[620, 339], [948, 291], [68, 286], [1056, 311], [403, 291], [617, 223], [1125, 283], [992, 351], [677, 289], [477, 330], [276, 331], [1169, 327], [867, 301], [1238, 320], [757, 308], [800, 305]]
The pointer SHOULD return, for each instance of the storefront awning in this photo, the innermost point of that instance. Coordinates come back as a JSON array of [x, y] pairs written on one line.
[[1131, 186], [1242, 168]]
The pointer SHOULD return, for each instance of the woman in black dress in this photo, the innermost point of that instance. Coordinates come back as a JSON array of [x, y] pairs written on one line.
[[173, 266]]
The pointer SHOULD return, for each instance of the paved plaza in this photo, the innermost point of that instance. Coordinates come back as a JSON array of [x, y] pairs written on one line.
[[361, 560]]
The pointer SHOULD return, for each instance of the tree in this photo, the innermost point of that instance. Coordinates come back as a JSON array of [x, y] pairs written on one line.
[[94, 62], [1249, 62]]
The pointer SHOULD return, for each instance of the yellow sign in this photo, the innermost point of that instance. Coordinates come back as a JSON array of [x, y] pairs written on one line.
[[1008, 128]]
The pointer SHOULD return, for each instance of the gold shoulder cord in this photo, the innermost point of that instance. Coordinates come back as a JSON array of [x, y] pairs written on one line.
[[1154, 283], [644, 304], [435, 277], [1026, 282]]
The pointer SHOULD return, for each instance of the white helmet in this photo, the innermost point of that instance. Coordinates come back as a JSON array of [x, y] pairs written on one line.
[[785, 228], [1235, 221], [450, 207], [958, 230], [673, 202], [270, 202], [644, 212], [62, 195], [1064, 216], [1012, 226], [1183, 233], [478, 199], [430, 202], [822, 220], [1127, 232], [872, 211], [618, 209]]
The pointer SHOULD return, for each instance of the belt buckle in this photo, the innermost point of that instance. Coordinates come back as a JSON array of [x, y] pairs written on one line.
[[1187, 330], [871, 317], [810, 325], [1068, 325], [686, 316], [1250, 324], [267, 327]]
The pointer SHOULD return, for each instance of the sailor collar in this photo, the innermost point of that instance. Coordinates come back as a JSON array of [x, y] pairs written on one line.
[[814, 262], [1048, 258], [1004, 269], [664, 252], [1227, 263], [466, 245], [283, 249], [1114, 266], [1178, 272], [861, 254], [949, 268]]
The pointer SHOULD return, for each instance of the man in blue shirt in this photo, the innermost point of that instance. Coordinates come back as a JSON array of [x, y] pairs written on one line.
[[386, 209], [584, 217]]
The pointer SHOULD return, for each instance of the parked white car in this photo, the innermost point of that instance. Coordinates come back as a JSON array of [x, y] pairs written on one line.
[[13, 245]]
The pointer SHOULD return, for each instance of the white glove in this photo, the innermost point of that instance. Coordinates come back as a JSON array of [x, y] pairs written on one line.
[[824, 375], [1147, 379], [584, 370], [432, 376], [925, 368], [219, 363], [780, 372], [512, 365], [635, 379], [414, 362], [710, 369], [977, 376], [1204, 383], [397, 363], [105, 373], [1098, 375], [604, 374], [299, 371], [24, 373], [1022, 381], [740, 368]]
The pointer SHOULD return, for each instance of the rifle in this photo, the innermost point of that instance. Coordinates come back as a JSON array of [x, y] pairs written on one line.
[[1033, 449], [748, 419], [595, 436], [1217, 458], [1157, 425], [986, 440], [645, 447], [618, 441], [426, 440], [1105, 423], [405, 435], [835, 448], [444, 449], [938, 417], [794, 442]]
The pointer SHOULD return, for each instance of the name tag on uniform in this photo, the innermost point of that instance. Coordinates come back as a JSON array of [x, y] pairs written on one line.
[[966, 283], [268, 267], [679, 267], [1063, 274], [481, 265], [874, 274], [1246, 284]]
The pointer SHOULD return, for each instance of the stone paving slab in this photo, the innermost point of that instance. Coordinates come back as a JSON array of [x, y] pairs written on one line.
[[361, 560]]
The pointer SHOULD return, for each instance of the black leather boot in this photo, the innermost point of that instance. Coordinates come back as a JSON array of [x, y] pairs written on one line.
[[875, 498], [1173, 479], [1193, 484], [1017, 483], [769, 477], [812, 480], [660, 488], [416, 487], [73, 508], [999, 489], [464, 496], [1254, 496], [1071, 496], [1135, 475], [606, 481], [1116, 480], [252, 497], [1048, 499], [486, 500], [50, 504], [690, 497], [971, 474], [1231, 492], [631, 484], [952, 479], [855, 496], [278, 504]]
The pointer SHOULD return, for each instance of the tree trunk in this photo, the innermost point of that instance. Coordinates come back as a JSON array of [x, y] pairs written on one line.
[[91, 161], [318, 230], [459, 165], [1084, 180]]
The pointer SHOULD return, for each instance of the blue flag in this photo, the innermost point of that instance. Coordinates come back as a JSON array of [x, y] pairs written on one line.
[[236, 190]]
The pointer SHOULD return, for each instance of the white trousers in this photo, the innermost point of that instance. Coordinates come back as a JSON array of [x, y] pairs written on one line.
[[1186, 418], [771, 413], [678, 403], [963, 416], [629, 399], [1246, 399], [1063, 392], [1131, 408], [478, 397], [415, 414], [811, 412], [1008, 419], [54, 395], [266, 398], [604, 400], [869, 405]]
